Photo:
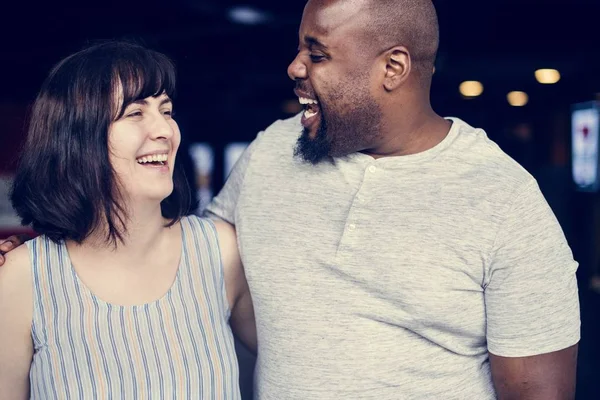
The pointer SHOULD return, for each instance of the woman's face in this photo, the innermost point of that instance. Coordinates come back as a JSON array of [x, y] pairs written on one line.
[[143, 145]]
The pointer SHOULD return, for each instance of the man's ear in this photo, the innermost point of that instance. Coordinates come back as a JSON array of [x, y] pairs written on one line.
[[397, 67]]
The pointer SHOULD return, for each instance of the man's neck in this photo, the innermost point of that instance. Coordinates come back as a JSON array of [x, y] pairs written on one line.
[[411, 136]]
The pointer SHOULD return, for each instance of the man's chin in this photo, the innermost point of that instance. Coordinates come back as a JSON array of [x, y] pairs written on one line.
[[310, 133], [313, 129], [313, 147]]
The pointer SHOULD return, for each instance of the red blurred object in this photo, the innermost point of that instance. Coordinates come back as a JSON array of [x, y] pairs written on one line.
[[6, 232]]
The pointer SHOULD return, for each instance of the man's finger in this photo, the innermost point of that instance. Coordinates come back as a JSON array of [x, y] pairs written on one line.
[[15, 241], [7, 245], [1, 260]]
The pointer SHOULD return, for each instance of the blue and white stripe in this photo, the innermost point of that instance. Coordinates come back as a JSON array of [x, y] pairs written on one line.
[[179, 346]]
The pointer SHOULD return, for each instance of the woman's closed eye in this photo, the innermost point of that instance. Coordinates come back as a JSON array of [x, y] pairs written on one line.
[[134, 114]]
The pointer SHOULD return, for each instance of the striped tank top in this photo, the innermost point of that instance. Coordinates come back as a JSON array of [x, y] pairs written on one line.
[[178, 347]]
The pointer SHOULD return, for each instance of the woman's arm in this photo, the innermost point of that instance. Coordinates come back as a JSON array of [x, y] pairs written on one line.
[[238, 293], [16, 315]]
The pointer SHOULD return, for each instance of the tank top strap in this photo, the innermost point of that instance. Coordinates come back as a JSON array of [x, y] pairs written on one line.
[[203, 259], [53, 285]]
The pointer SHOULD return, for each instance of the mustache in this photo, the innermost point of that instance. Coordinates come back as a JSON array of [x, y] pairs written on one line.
[[301, 86]]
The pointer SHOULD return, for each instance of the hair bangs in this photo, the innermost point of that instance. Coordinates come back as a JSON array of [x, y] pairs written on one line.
[[140, 76]]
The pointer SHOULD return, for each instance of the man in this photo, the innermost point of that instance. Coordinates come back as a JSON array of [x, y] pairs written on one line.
[[392, 253]]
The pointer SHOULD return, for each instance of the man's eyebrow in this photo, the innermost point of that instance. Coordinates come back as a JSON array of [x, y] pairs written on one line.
[[313, 41]]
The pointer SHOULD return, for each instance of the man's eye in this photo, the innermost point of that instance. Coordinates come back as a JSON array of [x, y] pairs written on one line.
[[170, 113], [316, 58], [135, 114]]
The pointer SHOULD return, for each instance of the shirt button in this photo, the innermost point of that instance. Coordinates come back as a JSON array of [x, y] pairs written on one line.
[[372, 168], [351, 227], [361, 200]]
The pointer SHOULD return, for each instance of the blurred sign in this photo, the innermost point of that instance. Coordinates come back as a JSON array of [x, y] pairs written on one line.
[[203, 157], [585, 124]]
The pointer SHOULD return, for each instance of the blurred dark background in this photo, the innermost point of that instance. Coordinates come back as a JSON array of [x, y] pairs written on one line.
[[232, 58]]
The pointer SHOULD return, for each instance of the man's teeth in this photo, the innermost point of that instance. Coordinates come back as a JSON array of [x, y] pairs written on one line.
[[310, 111], [153, 158], [310, 114], [304, 100]]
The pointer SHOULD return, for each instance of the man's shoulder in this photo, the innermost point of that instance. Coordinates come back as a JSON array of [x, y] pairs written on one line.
[[275, 143], [473, 147], [282, 132], [286, 126]]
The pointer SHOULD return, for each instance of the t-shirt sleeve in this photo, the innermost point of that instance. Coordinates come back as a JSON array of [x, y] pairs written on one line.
[[224, 204], [531, 293]]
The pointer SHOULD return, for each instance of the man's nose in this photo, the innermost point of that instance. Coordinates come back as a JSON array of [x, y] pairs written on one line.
[[297, 69]]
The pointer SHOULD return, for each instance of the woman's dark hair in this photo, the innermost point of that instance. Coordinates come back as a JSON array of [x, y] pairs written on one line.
[[65, 186]]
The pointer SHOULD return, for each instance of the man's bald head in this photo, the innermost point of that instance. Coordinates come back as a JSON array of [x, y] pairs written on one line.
[[409, 23], [368, 63]]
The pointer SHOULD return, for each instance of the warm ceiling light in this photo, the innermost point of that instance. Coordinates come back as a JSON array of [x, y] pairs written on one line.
[[517, 99], [247, 15], [471, 88], [547, 76]]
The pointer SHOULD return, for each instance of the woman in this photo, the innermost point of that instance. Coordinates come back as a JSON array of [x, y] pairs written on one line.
[[122, 295]]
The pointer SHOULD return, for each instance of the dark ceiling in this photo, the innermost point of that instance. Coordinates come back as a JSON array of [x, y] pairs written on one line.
[[227, 69]]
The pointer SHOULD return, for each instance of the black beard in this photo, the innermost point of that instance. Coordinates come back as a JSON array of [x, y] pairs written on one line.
[[344, 135], [314, 150]]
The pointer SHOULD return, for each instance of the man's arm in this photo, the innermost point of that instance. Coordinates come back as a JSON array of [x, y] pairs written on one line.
[[236, 286], [242, 320], [223, 206], [532, 303], [548, 376], [16, 315]]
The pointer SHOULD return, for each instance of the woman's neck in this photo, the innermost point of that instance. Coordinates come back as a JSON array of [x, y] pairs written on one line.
[[144, 233]]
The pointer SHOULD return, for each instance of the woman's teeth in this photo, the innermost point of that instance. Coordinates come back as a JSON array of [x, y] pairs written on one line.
[[155, 158]]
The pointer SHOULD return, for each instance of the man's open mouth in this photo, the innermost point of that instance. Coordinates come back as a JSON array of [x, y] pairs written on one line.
[[311, 107]]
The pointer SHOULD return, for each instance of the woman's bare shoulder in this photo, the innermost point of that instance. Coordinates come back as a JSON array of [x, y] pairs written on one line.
[[16, 284]]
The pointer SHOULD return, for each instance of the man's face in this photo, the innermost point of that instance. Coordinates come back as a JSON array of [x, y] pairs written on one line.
[[333, 81]]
